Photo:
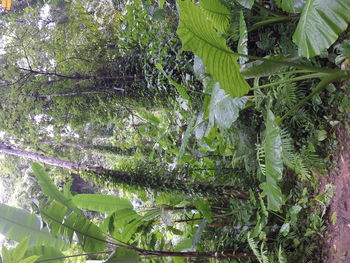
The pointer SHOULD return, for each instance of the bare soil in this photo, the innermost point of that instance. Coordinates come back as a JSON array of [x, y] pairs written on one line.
[[337, 243]]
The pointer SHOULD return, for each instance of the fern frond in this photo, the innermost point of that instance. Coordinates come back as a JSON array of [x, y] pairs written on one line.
[[312, 160], [291, 158], [254, 247], [289, 94], [261, 255], [261, 158], [281, 258], [299, 117]]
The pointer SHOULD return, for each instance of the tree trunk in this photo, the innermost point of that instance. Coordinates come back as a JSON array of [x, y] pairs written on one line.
[[123, 79], [209, 254], [71, 94], [151, 180], [92, 147]]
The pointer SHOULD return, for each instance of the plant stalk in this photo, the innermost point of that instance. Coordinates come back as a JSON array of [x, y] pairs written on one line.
[[269, 21], [310, 76], [320, 86], [286, 63]]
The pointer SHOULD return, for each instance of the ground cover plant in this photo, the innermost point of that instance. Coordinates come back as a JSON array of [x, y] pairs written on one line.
[[187, 131]]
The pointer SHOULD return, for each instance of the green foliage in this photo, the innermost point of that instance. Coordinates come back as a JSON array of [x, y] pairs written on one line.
[[65, 219], [217, 13], [16, 255], [264, 68], [246, 3], [223, 109], [273, 163], [320, 24], [90, 236], [243, 39], [101, 203], [291, 6], [197, 35], [45, 252], [123, 255], [18, 224], [184, 129], [205, 209], [49, 188], [260, 255]]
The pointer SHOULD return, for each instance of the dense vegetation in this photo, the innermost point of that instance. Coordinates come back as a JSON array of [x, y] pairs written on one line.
[[175, 131]]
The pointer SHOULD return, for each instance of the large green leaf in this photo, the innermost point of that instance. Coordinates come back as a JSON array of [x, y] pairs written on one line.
[[265, 68], [45, 252], [31, 259], [223, 109], [291, 6], [16, 255], [320, 24], [273, 163], [90, 236], [123, 255], [217, 13], [19, 251], [17, 224], [125, 224], [243, 39], [198, 35], [49, 188], [101, 203], [204, 208], [185, 140]]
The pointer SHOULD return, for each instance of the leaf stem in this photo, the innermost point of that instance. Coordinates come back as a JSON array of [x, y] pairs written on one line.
[[286, 63], [269, 21], [310, 76], [320, 86], [291, 72]]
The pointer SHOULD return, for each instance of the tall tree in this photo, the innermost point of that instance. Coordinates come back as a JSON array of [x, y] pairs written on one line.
[[160, 182]]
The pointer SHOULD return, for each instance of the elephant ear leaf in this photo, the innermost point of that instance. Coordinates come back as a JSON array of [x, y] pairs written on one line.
[[224, 110], [291, 6], [217, 13], [320, 24], [198, 35], [273, 163]]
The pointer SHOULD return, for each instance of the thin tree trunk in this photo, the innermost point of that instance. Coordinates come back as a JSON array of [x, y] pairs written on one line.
[[71, 94], [151, 181], [209, 254], [92, 147], [42, 158], [126, 79]]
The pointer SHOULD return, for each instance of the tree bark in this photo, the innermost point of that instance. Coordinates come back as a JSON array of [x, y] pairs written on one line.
[[125, 79], [71, 94], [42, 158], [209, 254], [92, 147], [150, 181]]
